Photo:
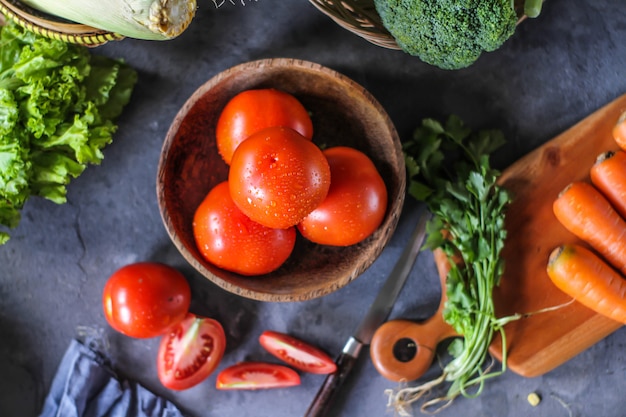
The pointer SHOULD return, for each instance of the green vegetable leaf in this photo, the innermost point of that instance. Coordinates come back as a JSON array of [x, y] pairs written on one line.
[[449, 169], [58, 103], [110, 86], [14, 171]]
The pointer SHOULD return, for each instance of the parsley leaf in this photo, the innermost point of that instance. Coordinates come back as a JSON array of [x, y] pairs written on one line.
[[449, 169]]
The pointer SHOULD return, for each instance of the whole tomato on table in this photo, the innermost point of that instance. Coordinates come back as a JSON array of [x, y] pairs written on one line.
[[145, 299]]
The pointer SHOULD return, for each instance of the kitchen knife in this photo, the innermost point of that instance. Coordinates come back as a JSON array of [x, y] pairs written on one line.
[[376, 316]]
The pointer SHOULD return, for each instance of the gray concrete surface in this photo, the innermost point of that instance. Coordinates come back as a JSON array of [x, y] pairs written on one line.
[[552, 73]]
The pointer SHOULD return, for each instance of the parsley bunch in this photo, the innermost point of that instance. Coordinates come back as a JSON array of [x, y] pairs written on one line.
[[448, 167]]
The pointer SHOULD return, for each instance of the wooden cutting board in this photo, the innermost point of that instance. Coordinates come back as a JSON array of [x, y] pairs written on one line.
[[543, 341]]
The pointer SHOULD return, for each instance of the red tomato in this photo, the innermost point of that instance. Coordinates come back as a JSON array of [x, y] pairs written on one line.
[[145, 299], [227, 238], [254, 110], [277, 177], [356, 202], [297, 353], [256, 375], [190, 352]]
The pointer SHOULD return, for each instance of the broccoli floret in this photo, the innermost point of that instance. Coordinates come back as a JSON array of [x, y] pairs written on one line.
[[449, 34]]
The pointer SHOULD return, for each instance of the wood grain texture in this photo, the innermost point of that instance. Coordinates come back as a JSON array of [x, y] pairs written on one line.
[[543, 341], [343, 113]]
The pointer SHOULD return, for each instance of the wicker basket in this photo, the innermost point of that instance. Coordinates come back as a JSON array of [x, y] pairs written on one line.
[[55, 27], [361, 17]]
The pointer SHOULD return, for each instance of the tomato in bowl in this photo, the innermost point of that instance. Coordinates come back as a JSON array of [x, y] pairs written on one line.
[[343, 113]]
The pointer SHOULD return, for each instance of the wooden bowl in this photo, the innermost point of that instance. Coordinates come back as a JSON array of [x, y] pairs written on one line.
[[343, 113]]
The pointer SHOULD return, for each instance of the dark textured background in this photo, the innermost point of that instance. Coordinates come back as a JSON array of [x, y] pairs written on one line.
[[553, 72]]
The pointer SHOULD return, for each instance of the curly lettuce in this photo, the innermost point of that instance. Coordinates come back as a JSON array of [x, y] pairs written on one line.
[[58, 105]]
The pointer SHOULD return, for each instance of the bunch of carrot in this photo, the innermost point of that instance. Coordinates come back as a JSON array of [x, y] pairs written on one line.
[[595, 212]]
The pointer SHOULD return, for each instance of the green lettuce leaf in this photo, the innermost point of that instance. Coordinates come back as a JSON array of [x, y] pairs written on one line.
[[58, 105]]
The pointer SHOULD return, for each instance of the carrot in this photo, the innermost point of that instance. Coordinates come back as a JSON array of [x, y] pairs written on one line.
[[619, 131], [608, 174], [584, 276], [585, 212]]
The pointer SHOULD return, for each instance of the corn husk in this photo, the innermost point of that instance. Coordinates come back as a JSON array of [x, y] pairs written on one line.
[[139, 19]]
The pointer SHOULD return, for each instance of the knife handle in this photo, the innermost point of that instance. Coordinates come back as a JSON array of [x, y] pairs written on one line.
[[323, 400]]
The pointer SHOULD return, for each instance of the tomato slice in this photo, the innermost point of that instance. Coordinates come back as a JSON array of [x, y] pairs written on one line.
[[190, 352], [297, 353], [256, 375]]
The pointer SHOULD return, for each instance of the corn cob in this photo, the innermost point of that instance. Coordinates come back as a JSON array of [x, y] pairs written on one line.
[[139, 19]]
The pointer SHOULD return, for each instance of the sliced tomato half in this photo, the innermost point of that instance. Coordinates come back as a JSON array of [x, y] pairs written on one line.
[[256, 375], [190, 352], [297, 353]]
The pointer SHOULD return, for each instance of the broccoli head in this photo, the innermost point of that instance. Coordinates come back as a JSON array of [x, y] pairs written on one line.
[[449, 34]]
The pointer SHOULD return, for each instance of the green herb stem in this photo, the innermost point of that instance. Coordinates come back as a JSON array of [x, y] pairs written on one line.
[[468, 209]]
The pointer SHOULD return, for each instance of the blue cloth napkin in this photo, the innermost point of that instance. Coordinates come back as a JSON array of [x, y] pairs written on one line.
[[86, 386]]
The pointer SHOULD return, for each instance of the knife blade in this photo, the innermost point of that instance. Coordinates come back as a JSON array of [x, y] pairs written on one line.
[[375, 317]]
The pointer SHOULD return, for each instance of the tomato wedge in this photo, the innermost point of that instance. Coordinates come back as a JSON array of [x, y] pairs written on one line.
[[256, 375], [190, 352], [297, 353]]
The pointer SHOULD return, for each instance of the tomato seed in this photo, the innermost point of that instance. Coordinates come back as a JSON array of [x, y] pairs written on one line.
[[199, 361]]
